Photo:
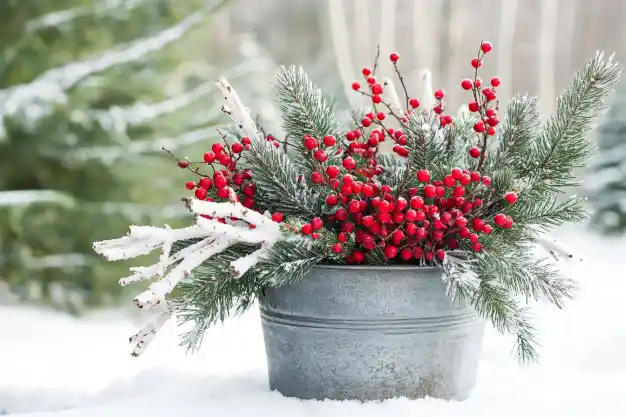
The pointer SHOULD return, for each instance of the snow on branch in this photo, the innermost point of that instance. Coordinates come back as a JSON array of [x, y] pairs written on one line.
[[170, 270], [20, 198], [35, 99], [236, 110]]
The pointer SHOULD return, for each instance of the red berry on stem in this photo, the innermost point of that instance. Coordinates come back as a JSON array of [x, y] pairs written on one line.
[[477, 247], [320, 155], [377, 89], [366, 71], [499, 219], [200, 193], [473, 107], [406, 254], [183, 164], [277, 217], [466, 84], [479, 127], [478, 82], [474, 152], [394, 57], [205, 183], [306, 229], [477, 63], [237, 147], [510, 197], [487, 229], [190, 185], [429, 191], [310, 143], [440, 94], [423, 175], [209, 157], [371, 80], [366, 121], [348, 163], [356, 86], [487, 181], [491, 131], [391, 251], [380, 115], [495, 81], [414, 102], [441, 254], [337, 248], [332, 200], [317, 178], [486, 47], [416, 202], [316, 223], [329, 140]]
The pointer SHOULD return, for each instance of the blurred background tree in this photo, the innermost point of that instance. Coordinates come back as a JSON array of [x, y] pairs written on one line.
[[606, 184], [86, 87]]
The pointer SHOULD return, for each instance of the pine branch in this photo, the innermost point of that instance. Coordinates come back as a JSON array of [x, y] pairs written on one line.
[[305, 111], [547, 212], [283, 187], [563, 144]]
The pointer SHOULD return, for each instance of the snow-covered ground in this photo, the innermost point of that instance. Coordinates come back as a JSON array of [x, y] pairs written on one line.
[[51, 364]]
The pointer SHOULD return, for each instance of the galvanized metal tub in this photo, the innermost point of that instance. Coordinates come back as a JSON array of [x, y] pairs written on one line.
[[370, 333]]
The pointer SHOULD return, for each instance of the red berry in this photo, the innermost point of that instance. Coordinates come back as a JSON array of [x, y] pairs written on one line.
[[217, 147], [394, 57], [499, 219], [449, 181], [366, 71], [474, 152], [320, 155], [429, 256], [245, 140], [209, 157], [414, 102], [440, 254], [487, 229], [371, 80], [493, 121], [416, 202], [380, 115], [478, 83], [473, 106], [200, 193], [491, 112], [423, 175], [317, 178], [475, 176], [440, 94], [190, 185], [356, 86], [205, 183], [509, 222], [306, 229], [491, 131], [316, 223], [459, 191], [332, 200], [406, 254], [457, 173], [341, 214], [329, 140], [366, 121], [417, 252], [377, 89], [310, 143], [391, 251], [183, 164], [465, 179], [237, 147], [477, 247], [479, 127], [316, 235], [430, 191], [220, 181], [486, 47], [223, 193], [466, 84], [277, 217], [510, 197], [249, 190], [487, 181], [477, 63], [495, 81], [348, 163]]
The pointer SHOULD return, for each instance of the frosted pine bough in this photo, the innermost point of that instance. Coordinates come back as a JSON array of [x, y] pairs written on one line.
[[263, 218]]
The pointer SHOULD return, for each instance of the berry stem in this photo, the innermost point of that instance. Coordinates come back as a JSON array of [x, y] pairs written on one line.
[[406, 92], [188, 166], [376, 60]]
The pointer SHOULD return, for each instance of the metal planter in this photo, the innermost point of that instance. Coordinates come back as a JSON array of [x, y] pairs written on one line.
[[370, 333]]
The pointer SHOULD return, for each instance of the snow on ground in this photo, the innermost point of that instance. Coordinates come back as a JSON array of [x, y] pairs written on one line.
[[65, 367]]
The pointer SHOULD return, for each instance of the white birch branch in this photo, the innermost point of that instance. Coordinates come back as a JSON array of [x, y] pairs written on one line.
[[145, 335], [236, 110]]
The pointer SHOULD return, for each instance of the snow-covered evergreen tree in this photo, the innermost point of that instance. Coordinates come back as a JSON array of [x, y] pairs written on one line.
[[607, 181], [81, 96]]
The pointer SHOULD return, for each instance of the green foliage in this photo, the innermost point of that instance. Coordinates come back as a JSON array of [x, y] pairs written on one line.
[[81, 97], [606, 186], [535, 162]]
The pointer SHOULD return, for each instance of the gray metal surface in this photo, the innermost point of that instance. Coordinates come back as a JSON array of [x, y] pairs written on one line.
[[370, 333]]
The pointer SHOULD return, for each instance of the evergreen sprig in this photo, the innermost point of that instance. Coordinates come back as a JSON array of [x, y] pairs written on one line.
[[304, 111]]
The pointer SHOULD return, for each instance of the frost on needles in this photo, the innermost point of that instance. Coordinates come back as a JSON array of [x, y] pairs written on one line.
[[474, 195]]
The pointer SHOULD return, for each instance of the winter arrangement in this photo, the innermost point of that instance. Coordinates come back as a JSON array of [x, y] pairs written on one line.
[[375, 272]]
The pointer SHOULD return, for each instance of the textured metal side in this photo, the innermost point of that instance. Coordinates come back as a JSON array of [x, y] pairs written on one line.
[[370, 334]]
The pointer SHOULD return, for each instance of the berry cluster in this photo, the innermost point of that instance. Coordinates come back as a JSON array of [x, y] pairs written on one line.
[[418, 221]]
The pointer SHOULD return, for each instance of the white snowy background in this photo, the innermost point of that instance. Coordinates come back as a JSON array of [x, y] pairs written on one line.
[[55, 365]]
